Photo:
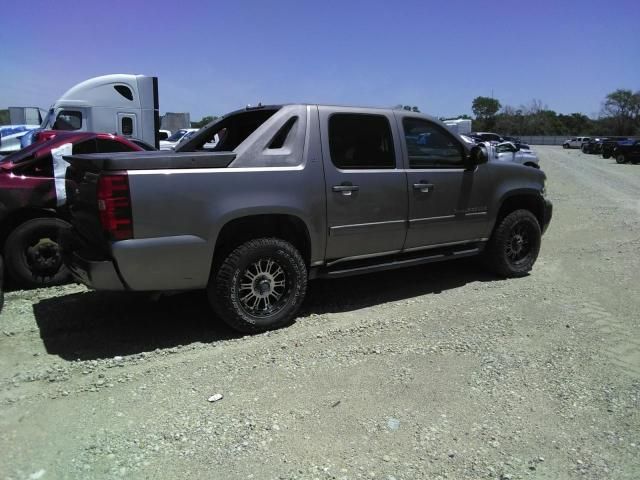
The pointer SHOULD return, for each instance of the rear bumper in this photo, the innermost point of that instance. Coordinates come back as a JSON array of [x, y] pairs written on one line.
[[547, 214], [96, 274], [87, 266], [180, 262]]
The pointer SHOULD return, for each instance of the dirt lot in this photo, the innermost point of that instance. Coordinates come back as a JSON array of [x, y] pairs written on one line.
[[433, 372]]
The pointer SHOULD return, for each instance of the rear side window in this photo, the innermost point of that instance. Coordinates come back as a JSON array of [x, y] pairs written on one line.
[[127, 126], [358, 141], [87, 146], [111, 146], [428, 145], [68, 120], [281, 137]]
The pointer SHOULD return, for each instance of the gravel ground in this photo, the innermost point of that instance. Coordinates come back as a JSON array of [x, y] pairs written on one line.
[[441, 371]]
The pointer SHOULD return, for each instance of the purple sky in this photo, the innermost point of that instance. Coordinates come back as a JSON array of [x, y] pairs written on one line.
[[438, 55]]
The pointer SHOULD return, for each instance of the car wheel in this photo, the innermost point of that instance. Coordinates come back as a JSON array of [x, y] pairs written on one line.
[[620, 158], [259, 286], [32, 253], [565, 146], [514, 245], [584, 149]]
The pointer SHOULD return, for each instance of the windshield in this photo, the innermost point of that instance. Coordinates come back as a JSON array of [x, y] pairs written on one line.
[[176, 136], [49, 118]]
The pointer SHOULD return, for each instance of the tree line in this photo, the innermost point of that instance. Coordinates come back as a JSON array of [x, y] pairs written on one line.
[[620, 115]]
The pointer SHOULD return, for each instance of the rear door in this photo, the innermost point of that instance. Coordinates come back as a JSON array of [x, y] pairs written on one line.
[[447, 203], [366, 187]]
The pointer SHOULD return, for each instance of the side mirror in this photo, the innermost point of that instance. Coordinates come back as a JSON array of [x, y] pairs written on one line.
[[477, 156]]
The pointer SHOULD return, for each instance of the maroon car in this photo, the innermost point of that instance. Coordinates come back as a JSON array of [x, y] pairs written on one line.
[[29, 220]]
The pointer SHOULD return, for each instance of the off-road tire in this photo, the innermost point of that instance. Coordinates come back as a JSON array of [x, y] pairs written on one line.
[[22, 267], [501, 243], [225, 285]]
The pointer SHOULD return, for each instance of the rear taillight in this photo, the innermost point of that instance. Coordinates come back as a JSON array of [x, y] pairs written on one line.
[[114, 204]]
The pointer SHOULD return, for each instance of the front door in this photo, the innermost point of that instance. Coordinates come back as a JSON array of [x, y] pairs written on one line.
[[447, 202], [366, 187]]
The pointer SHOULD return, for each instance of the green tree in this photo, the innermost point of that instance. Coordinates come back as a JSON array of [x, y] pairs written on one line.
[[203, 122], [485, 109], [623, 107]]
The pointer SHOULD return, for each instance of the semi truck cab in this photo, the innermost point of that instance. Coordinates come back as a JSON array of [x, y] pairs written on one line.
[[122, 104]]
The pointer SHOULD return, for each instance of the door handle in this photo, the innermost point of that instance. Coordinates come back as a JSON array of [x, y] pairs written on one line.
[[346, 190], [424, 187]]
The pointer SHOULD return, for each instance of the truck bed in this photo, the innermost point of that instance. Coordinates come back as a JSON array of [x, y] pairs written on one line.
[[154, 160]]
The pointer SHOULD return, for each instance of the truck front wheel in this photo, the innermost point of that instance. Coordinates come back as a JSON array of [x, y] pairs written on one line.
[[259, 286], [514, 245]]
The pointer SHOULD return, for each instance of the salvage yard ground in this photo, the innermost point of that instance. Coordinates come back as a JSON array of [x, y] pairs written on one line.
[[441, 371]]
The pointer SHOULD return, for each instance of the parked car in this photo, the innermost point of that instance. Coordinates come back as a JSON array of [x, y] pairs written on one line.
[[486, 137], [296, 192], [163, 134], [495, 139], [517, 142], [10, 136], [627, 152], [29, 194], [594, 145], [171, 142], [575, 142], [609, 145], [507, 151]]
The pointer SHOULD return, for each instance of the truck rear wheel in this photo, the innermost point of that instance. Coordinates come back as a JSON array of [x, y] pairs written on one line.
[[32, 253], [259, 286], [514, 245]]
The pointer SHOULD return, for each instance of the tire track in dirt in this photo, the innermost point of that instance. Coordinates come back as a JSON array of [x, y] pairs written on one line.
[[620, 348]]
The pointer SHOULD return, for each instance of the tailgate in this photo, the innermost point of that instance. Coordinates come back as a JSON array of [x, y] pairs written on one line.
[[82, 208]]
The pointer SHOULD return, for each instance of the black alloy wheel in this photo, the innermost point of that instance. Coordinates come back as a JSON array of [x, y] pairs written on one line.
[[514, 245]]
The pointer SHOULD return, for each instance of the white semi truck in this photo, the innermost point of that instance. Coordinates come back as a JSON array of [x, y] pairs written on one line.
[[121, 104]]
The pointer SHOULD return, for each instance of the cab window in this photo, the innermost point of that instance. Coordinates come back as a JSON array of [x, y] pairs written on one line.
[[68, 120], [430, 146], [360, 141]]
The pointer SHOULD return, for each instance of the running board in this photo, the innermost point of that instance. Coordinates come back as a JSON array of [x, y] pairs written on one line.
[[397, 262]]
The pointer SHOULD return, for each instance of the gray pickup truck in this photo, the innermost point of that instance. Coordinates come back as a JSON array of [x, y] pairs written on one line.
[[291, 193]]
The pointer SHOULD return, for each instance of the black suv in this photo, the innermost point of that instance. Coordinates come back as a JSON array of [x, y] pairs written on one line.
[[609, 145], [593, 146], [627, 152]]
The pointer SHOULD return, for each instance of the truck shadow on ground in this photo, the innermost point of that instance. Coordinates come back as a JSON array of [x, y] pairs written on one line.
[[95, 325]]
